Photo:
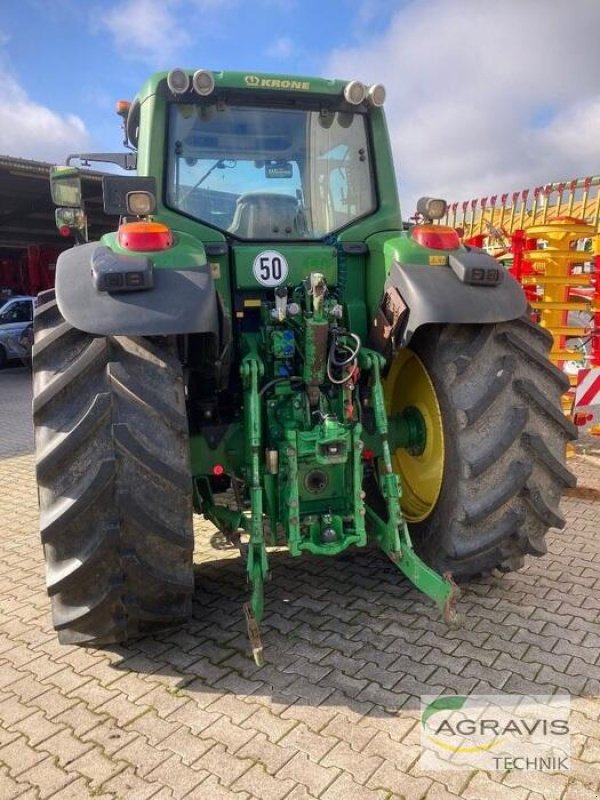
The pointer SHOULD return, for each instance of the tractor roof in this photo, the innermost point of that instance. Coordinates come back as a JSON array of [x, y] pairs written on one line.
[[257, 80]]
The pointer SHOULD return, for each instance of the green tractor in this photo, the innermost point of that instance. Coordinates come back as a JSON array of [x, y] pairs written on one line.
[[264, 342]]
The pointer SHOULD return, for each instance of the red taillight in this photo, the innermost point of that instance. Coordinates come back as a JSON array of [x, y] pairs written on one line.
[[64, 230], [436, 237], [218, 469], [145, 236]]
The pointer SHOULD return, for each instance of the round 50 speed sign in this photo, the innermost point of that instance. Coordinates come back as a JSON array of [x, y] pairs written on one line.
[[270, 268]]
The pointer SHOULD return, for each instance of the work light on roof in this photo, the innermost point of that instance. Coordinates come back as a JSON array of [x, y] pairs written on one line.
[[376, 94], [355, 92], [178, 81], [432, 207], [203, 82], [140, 203]]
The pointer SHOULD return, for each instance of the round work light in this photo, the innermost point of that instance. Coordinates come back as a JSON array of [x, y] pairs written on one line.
[[355, 92], [203, 82], [178, 81]]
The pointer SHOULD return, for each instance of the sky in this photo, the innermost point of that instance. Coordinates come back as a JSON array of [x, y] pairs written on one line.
[[482, 97]]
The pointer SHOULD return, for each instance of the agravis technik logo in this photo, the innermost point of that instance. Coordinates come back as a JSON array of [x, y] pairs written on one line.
[[495, 732]]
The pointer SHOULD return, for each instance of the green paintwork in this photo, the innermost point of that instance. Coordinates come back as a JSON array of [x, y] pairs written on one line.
[[386, 218], [296, 440], [186, 251], [255, 81], [229, 450], [302, 259], [392, 534]]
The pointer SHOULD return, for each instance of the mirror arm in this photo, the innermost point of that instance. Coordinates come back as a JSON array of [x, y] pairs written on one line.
[[123, 160]]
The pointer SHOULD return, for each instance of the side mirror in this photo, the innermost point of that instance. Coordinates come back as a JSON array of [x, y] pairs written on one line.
[[65, 186], [72, 222]]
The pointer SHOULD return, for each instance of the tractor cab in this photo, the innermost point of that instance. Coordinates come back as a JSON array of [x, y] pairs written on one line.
[[269, 174]]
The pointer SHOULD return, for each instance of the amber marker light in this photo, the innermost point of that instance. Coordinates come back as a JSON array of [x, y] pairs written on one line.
[[145, 236], [122, 107], [435, 237]]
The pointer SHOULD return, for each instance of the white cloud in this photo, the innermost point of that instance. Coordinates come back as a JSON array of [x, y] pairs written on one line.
[[281, 48], [31, 130], [485, 98], [158, 32], [147, 30]]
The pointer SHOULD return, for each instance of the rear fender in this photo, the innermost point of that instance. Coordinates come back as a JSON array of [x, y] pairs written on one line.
[[423, 295], [182, 298]]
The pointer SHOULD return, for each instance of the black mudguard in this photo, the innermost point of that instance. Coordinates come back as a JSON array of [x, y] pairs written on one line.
[[181, 301], [436, 295]]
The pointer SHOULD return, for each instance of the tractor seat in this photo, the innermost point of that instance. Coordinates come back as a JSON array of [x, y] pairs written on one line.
[[265, 215]]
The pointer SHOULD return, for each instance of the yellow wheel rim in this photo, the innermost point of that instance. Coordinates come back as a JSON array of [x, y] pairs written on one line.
[[409, 385]]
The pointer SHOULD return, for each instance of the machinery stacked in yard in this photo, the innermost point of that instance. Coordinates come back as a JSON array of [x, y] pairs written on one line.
[[28, 271], [549, 237], [262, 321]]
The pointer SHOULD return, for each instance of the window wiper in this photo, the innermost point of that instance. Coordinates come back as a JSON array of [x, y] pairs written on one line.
[[222, 163]]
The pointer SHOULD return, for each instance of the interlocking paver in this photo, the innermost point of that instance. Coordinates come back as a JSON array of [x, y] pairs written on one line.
[[550, 786], [302, 770], [130, 786], [218, 761], [49, 777], [19, 756], [65, 747], [16, 428], [397, 753], [482, 785], [259, 783], [333, 713], [176, 775], [393, 780], [109, 736], [236, 708], [272, 725], [9, 788], [12, 710], [95, 766], [344, 787], [262, 751], [213, 790], [143, 756], [153, 727], [227, 732], [80, 719], [307, 741], [344, 757]]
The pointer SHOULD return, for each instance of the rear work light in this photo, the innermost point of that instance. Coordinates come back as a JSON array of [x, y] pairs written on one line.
[[145, 236], [435, 237]]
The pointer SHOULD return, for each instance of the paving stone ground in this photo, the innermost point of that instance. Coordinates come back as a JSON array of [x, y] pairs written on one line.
[[350, 647], [16, 429]]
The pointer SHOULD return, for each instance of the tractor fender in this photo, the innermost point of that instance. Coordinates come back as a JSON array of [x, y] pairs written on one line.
[[180, 300], [437, 295]]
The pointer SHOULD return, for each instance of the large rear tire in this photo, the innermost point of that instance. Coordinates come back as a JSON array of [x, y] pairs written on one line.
[[486, 487], [115, 491]]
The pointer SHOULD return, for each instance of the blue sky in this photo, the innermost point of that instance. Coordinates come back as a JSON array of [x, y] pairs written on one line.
[[483, 97]]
